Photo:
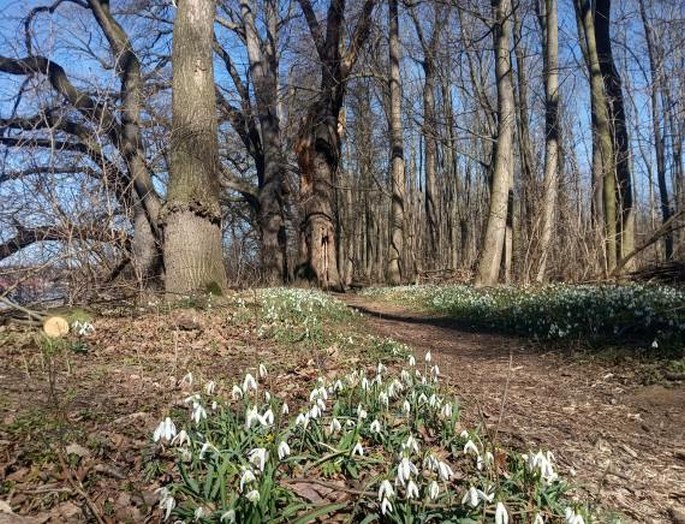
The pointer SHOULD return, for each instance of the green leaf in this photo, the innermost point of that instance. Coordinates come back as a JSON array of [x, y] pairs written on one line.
[[319, 512]]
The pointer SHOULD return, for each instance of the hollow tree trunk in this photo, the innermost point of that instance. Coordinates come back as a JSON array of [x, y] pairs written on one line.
[[192, 248]]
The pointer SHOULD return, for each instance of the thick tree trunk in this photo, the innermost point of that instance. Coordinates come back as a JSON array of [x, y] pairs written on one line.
[[625, 214], [550, 25], [395, 269], [603, 159], [493, 243], [192, 248]]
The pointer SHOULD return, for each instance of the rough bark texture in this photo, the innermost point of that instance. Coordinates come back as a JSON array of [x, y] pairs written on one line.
[[550, 25], [625, 213], [493, 243], [395, 269], [192, 248]]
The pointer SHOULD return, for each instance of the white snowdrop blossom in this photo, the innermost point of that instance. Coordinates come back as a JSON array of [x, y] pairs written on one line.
[[165, 431], [253, 496], [228, 516], [236, 393], [285, 409], [412, 490], [538, 519], [433, 490], [386, 506], [262, 371], [268, 418], [488, 495], [247, 477], [471, 447], [318, 393], [258, 457], [215, 405], [283, 450], [411, 444], [207, 446], [302, 420], [405, 376], [380, 369], [435, 372], [383, 399], [423, 399], [385, 490], [249, 383], [501, 515], [464, 434], [361, 412], [412, 360], [365, 384], [406, 408], [181, 439], [251, 417], [571, 517], [655, 344], [428, 357], [166, 501], [199, 413], [404, 471], [446, 410], [267, 397], [199, 513], [210, 387], [544, 463], [334, 426], [471, 497], [434, 401], [445, 471], [338, 386], [358, 450], [375, 426]]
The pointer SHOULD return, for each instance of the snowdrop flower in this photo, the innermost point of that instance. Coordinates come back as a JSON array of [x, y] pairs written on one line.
[[187, 381], [207, 446], [229, 516], [464, 434], [338, 386], [253, 496], [199, 413], [247, 477], [375, 426], [166, 501], [655, 344], [423, 399], [251, 417], [488, 495], [428, 357], [249, 383], [199, 513], [383, 399], [210, 387], [386, 507], [350, 423], [412, 360], [501, 515], [406, 407], [258, 457], [267, 397], [321, 403], [471, 497], [318, 393], [571, 517], [165, 431], [404, 470], [285, 409], [435, 372], [405, 376], [446, 411], [215, 405], [181, 439], [538, 519], [236, 393], [268, 418], [471, 447], [315, 411], [434, 401], [262, 371], [302, 420], [385, 490], [411, 444], [361, 412], [380, 369], [412, 490], [365, 384], [335, 426], [358, 450], [445, 471], [433, 490], [283, 450]]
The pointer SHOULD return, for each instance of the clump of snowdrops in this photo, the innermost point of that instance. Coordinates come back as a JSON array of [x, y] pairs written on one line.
[[374, 445], [558, 311]]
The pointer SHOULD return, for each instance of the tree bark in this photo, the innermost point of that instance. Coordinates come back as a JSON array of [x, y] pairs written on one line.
[[550, 25], [193, 249], [395, 269], [493, 243]]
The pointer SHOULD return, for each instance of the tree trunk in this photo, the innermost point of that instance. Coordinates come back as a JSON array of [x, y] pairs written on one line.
[[625, 214], [193, 249], [395, 268], [493, 243], [550, 25]]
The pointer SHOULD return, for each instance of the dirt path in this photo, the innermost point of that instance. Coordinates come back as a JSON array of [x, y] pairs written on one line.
[[624, 442]]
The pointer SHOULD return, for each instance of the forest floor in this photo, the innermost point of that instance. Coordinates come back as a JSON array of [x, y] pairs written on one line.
[[617, 432], [76, 419]]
